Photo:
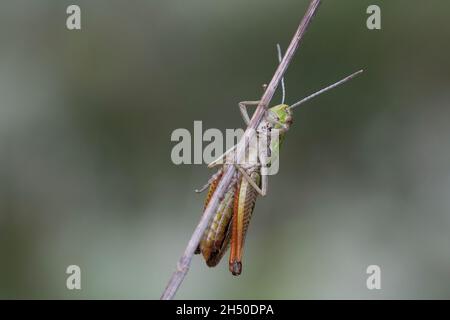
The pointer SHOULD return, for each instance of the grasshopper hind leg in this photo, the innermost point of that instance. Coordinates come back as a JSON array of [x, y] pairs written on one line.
[[212, 184], [244, 204], [216, 255], [216, 239]]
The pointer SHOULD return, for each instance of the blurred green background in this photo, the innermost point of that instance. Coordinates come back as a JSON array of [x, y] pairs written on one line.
[[86, 176]]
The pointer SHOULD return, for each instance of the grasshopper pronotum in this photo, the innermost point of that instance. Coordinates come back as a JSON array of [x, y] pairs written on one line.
[[230, 222]]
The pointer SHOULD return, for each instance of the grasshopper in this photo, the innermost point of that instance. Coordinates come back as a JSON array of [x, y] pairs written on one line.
[[228, 227]]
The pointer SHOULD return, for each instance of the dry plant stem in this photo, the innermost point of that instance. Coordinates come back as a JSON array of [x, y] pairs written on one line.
[[185, 260]]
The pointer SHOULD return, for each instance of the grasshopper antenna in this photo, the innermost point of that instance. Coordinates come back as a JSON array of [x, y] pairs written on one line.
[[283, 88], [326, 89]]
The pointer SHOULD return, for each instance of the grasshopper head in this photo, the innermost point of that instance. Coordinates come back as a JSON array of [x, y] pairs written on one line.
[[283, 114]]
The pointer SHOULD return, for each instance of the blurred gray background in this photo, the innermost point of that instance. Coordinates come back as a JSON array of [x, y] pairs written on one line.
[[86, 176]]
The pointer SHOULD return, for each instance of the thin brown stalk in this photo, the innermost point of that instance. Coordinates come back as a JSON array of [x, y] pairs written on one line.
[[225, 183]]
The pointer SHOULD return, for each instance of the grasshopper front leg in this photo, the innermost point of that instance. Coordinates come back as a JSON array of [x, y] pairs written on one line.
[[243, 107]]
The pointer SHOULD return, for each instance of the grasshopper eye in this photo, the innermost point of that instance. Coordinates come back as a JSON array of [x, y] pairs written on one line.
[[289, 120]]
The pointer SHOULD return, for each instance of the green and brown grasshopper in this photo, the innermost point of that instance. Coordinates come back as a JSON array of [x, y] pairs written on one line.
[[230, 223]]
